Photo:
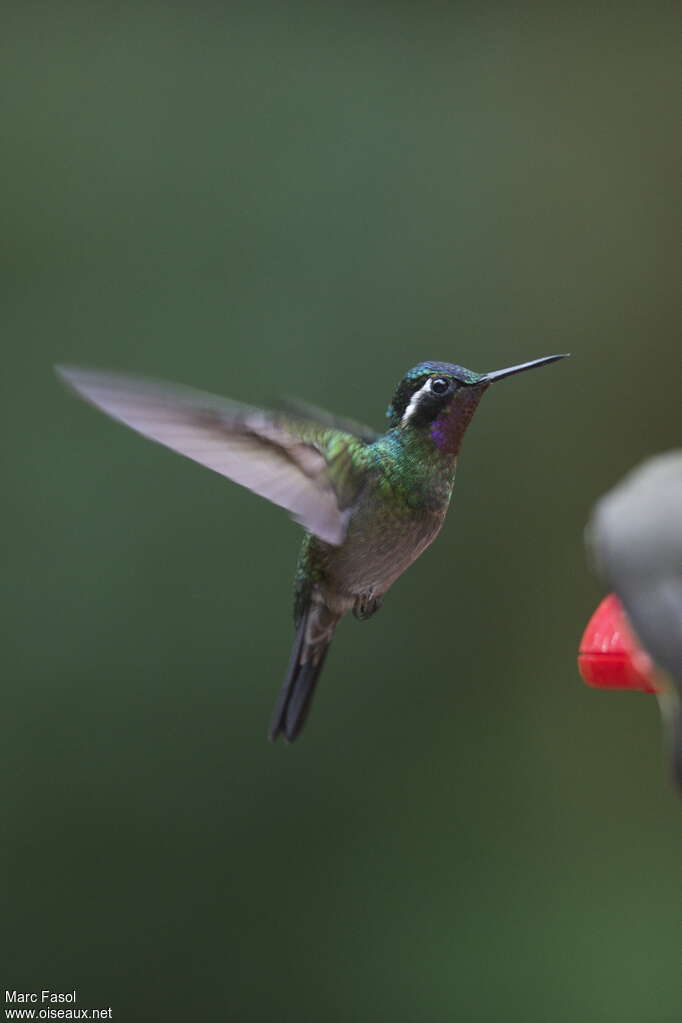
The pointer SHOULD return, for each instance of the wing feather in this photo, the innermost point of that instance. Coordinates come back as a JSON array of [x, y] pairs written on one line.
[[291, 463], [305, 410]]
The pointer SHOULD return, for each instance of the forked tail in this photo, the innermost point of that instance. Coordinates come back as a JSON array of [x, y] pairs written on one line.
[[313, 637]]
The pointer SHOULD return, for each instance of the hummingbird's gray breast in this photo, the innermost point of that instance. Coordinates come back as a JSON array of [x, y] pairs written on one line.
[[381, 548], [384, 537], [398, 513]]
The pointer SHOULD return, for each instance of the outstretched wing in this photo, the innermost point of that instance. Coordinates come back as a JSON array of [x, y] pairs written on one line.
[[312, 471]]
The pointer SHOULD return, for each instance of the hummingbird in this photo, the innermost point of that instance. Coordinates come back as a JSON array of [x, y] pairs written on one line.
[[369, 503]]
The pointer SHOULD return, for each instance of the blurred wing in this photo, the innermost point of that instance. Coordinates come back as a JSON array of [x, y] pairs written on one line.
[[308, 470], [304, 410]]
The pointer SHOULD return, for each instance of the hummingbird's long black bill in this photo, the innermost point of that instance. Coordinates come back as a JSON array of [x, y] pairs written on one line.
[[500, 374]]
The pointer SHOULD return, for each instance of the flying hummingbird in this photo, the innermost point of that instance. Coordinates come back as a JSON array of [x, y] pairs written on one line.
[[370, 503]]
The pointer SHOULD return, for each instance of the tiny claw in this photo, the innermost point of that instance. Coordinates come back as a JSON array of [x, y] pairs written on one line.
[[366, 605]]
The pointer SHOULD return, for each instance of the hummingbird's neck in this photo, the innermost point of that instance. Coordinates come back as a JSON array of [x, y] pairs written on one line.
[[446, 431], [415, 470]]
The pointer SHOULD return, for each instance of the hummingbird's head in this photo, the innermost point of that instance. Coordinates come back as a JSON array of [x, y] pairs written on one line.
[[440, 398], [430, 388]]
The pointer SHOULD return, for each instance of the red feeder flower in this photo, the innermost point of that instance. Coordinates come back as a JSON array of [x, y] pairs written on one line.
[[609, 656]]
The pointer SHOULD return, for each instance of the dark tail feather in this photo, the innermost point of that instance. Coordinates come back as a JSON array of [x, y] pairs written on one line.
[[296, 694]]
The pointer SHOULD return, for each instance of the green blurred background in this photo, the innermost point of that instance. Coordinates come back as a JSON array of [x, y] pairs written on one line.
[[310, 198]]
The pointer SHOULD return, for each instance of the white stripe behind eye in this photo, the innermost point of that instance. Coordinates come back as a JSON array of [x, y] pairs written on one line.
[[414, 403]]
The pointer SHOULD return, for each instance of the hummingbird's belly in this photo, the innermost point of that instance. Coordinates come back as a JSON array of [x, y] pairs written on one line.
[[377, 550]]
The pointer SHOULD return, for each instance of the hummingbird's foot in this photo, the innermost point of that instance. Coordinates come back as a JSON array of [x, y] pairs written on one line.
[[366, 605]]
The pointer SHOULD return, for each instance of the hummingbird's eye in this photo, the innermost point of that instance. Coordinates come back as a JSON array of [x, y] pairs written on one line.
[[439, 385]]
